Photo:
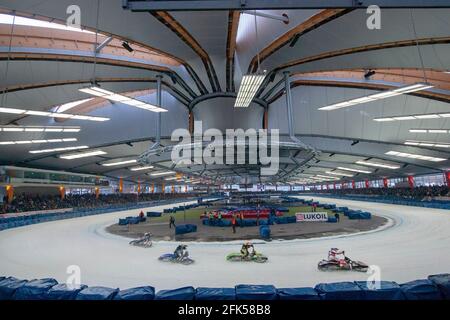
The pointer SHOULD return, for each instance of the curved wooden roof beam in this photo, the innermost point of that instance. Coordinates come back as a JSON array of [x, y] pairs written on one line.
[[176, 27], [233, 23], [132, 42], [310, 24]]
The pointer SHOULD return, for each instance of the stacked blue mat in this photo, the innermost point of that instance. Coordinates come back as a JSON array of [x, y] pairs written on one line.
[[152, 214], [185, 228], [437, 204], [20, 221], [264, 232], [435, 287], [131, 220]]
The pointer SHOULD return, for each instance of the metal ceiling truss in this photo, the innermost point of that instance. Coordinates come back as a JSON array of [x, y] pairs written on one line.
[[183, 5]]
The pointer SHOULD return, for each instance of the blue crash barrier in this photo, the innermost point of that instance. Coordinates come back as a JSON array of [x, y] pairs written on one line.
[[382, 290], [34, 289], [298, 294], [8, 286], [185, 293], [139, 293], [185, 228], [123, 222], [442, 281], [435, 288], [19, 221], [332, 220], [97, 293], [215, 293], [438, 204], [255, 292], [264, 232], [63, 292], [153, 214], [339, 291], [422, 289]]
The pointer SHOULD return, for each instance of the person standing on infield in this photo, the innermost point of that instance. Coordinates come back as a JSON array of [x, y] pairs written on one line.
[[172, 222]]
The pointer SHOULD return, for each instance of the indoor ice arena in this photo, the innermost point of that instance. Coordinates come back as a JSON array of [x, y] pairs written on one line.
[[240, 150]]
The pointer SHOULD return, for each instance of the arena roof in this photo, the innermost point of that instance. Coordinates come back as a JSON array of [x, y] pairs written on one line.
[[202, 57]]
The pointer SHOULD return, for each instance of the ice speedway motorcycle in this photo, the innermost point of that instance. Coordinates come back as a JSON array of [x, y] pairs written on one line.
[[174, 258], [335, 263], [250, 256], [144, 242]]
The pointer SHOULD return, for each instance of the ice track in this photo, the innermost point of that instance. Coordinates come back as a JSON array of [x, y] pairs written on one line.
[[414, 245]]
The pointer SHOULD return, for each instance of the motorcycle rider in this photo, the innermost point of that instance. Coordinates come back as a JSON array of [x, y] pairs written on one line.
[[337, 255], [181, 252], [147, 237], [247, 250]]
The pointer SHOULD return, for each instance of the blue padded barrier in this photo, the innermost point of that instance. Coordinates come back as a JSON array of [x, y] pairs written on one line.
[[215, 294], [264, 232], [139, 293], [153, 214], [185, 293], [97, 293], [422, 289], [63, 292], [123, 222], [339, 291], [185, 228], [382, 290], [8, 286], [256, 292], [34, 289], [442, 281], [332, 219], [298, 294]]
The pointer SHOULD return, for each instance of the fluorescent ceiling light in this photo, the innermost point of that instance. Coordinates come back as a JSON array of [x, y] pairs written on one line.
[[170, 179], [378, 96], [414, 156], [427, 144], [336, 173], [250, 85], [156, 174], [50, 114], [37, 141], [354, 170], [377, 164], [414, 117], [38, 129], [99, 92], [141, 168], [58, 149], [118, 163], [82, 154]]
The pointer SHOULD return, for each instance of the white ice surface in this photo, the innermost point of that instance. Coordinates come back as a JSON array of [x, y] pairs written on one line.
[[416, 244]]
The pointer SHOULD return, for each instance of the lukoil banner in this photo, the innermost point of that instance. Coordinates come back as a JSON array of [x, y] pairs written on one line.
[[311, 216]]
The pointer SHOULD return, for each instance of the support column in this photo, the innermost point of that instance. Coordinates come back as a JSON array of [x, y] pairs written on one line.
[[385, 182], [447, 178], [191, 122], [158, 104], [265, 124], [367, 184], [97, 192]]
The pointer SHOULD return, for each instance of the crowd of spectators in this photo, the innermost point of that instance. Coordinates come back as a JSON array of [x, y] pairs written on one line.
[[25, 203], [422, 193]]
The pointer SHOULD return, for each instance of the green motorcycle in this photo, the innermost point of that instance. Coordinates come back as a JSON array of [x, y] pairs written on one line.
[[255, 257]]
